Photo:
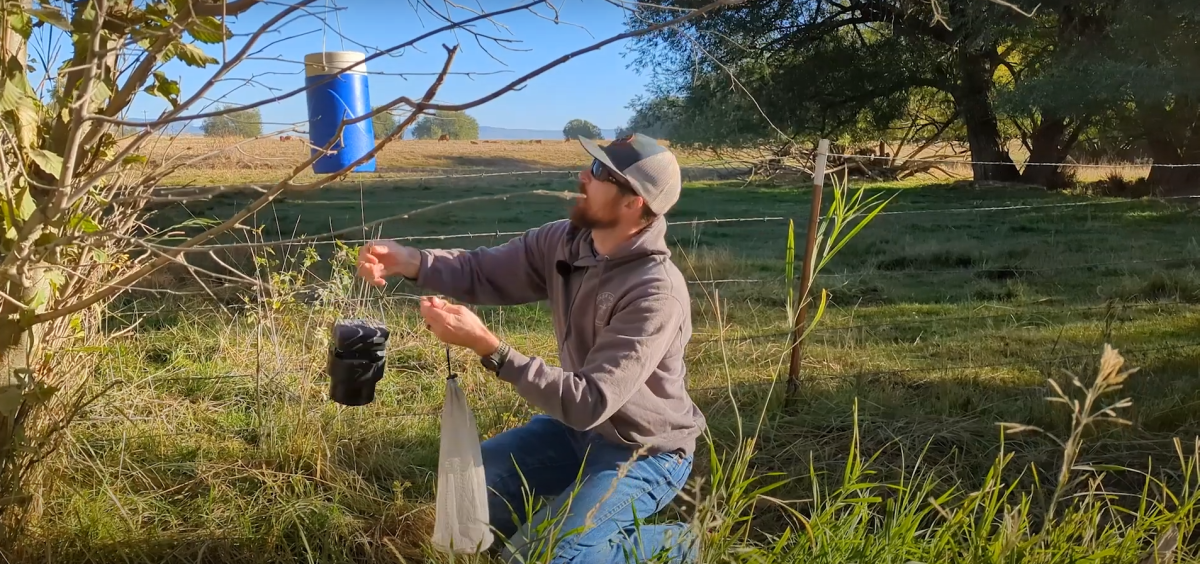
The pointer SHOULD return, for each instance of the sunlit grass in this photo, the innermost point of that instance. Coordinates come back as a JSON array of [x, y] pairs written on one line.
[[219, 443]]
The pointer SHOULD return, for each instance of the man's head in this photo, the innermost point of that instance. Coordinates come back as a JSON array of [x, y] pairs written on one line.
[[630, 182]]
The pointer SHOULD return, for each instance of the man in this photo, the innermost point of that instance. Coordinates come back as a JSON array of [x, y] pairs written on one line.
[[617, 409]]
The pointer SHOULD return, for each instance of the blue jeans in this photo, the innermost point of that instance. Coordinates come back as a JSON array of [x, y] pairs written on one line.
[[591, 518]]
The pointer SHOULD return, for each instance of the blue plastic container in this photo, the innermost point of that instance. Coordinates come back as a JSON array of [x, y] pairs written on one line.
[[343, 97]]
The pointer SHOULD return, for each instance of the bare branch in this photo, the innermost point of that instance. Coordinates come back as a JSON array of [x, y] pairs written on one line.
[[405, 215], [172, 115], [136, 274], [222, 9], [172, 119], [137, 77], [552, 64]]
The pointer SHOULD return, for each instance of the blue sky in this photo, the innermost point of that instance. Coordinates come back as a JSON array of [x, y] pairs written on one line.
[[596, 86]]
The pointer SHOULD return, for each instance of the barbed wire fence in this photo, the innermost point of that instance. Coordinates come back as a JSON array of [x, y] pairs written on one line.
[[1014, 314]]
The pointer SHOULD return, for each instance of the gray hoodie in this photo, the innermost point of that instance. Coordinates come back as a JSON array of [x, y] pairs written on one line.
[[621, 322]]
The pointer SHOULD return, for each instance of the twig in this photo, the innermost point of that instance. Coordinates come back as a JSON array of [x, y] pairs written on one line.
[[406, 215], [594, 47], [172, 119], [136, 274]]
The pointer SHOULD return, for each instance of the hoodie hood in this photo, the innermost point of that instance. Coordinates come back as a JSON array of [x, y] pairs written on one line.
[[650, 241]]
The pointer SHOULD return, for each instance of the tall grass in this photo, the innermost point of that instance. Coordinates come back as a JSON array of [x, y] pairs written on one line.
[[274, 473], [918, 517], [299, 495]]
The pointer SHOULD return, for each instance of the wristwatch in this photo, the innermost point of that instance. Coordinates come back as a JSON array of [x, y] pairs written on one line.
[[494, 361]]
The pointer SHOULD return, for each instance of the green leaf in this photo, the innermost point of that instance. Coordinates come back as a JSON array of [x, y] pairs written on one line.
[[134, 159], [99, 255], [10, 400], [40, 393], [55, 278], [209, 30], [25, 205], [193, 56], [17, 97], [86, 15], [47, 237], [51, 15], [40, 298], [48, 160], [164, 88], [84, 224], [100, 93], [21, 23], [861, 224], [163, 9]]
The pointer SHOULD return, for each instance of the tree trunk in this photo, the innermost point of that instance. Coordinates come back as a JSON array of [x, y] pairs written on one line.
[[983, 130], [1174, 180], [1050, 142], [17, 344], [1174, 139]]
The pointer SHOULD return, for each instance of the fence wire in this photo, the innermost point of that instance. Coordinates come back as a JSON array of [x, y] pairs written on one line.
[[712, 221], [1038, 362], [522, 409]]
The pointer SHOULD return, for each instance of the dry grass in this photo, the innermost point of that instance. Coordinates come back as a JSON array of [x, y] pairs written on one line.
[[220, 444], [246, 161], [240, 161]]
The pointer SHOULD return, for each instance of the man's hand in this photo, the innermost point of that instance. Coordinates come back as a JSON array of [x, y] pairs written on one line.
[[457, 325], [379, 259]]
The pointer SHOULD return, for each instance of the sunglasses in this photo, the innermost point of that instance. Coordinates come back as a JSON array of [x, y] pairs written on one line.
[[604, 174]]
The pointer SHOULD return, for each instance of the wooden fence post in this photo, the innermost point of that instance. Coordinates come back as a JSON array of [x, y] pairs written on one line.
[[814, 218]]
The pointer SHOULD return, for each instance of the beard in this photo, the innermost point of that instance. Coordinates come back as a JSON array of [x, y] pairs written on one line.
[[582, 215]]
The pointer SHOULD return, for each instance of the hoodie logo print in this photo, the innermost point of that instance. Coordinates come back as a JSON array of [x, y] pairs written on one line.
[[604, 301]]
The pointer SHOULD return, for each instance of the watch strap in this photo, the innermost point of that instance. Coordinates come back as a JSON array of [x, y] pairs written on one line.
[[494, 361]]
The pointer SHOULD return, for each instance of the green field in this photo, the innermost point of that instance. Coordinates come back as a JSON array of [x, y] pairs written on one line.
[[946, 317]]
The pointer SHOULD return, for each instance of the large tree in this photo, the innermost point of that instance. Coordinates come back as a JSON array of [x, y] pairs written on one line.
[[821, 64], [457, 125], [245, 123], [581, 127], [1153, 64], [1120, 75]]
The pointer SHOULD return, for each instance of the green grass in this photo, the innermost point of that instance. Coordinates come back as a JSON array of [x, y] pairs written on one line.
[[220, 444]]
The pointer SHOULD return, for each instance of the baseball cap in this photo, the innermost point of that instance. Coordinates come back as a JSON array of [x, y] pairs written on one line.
[[648, 167]]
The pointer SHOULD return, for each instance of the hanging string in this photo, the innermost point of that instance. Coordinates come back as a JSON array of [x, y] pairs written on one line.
[[341, 36], [325, 28]]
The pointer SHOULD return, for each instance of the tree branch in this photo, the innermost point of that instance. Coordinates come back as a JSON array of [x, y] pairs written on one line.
[[172, 119], [144, 270], [359, 228], [594, 47], [222, 8], [83, 189], [418, 107]]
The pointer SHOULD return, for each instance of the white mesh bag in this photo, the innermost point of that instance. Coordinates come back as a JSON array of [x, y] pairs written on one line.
[[461, 523]]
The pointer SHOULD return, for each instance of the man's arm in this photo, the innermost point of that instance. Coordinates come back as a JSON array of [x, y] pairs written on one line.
[[626, 352], [508, 274]]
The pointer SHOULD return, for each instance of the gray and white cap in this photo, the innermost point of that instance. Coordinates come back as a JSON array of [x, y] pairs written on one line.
[[648, 167]]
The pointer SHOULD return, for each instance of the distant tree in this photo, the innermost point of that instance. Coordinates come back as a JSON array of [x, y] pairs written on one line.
[[246, 123], [383, 123], [656, 117], [457, 125], [582, 128]]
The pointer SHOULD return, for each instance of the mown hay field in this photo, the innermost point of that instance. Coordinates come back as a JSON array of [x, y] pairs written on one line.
[[204, 161]]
